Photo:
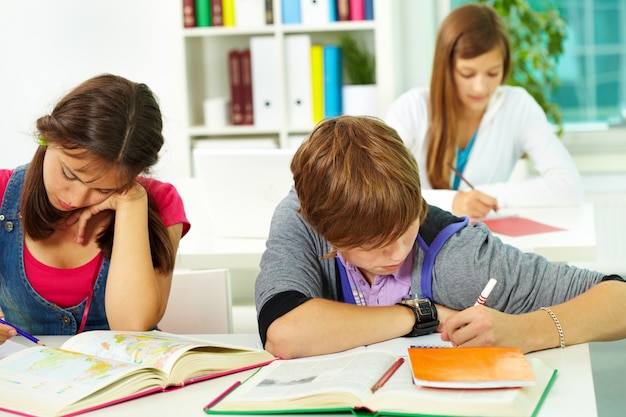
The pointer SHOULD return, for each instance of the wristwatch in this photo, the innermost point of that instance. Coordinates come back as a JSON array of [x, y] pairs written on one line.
[[425, 314]]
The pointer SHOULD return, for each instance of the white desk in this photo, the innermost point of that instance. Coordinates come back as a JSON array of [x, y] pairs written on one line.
[[577, 243], [571, 395]]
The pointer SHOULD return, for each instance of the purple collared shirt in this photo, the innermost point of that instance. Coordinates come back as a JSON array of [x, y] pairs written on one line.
[[386, 290]]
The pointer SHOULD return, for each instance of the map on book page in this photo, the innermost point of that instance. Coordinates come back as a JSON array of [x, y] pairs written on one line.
[[517, 226]]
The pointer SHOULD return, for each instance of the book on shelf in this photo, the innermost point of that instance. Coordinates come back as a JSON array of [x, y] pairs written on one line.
[[298, 75], [249, 13], [246, 87], [291, 11], [266, 101], [189, 13], [203, 12], [99, 368], [315, 11], [234, 79], [345, 382], [217, 14], [333, 81], [332, 10], [357, 9], [343, 10], [269, 12], [317, 82], [471, 367], [368, 10], [228, 13]]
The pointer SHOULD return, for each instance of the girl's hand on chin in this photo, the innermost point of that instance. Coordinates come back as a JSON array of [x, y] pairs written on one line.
[[136, 194]]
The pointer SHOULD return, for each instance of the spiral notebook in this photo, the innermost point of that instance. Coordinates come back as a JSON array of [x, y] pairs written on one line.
[[471, 367]]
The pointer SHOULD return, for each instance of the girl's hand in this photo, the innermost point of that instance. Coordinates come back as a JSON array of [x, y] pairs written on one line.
[[474, 204], [136, 194], [6, 332]]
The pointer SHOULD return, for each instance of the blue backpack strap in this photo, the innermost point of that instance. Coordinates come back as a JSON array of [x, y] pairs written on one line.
[[348, 297], [430, 254]]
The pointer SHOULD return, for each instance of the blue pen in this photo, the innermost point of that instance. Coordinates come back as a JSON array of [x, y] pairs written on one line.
[[23, 333]]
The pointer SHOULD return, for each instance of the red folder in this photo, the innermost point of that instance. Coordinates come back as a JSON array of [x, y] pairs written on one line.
[[518, 226]]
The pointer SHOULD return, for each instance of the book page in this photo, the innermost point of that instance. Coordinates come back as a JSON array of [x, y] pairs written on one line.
[[326, 381], [184, 359], [150, 349], [9, 347], [57, 378]]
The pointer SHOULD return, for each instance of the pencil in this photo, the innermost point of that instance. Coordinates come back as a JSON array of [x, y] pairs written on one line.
[[458, 174], [23, 333], [483, 295], [383, 379]]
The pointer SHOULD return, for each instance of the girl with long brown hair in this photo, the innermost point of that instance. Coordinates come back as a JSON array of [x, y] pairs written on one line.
[[86, 242], [468, 121]]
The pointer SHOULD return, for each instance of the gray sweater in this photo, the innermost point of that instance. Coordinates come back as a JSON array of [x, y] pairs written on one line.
[[293, 269]]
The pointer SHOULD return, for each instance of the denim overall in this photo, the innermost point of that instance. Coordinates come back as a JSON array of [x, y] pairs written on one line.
[[22, 306]]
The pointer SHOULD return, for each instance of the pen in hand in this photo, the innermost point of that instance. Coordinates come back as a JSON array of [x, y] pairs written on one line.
[[483, 295], [23, 333], [462, 178]]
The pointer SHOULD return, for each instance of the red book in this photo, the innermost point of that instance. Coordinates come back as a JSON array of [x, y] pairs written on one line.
[[246, 87], [343, 10], [357, 9], [189, 13], [234, 75], [217, 14]]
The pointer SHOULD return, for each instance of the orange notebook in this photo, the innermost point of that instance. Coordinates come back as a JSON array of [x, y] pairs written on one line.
[[467, 368]]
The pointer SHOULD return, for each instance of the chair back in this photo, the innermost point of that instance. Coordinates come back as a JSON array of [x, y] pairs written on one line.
[[199, 303]]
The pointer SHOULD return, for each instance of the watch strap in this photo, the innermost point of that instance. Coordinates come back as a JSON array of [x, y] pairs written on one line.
[[420, 327]]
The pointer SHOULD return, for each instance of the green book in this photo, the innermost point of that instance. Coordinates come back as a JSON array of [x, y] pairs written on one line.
[[203, 13], [345, 382]]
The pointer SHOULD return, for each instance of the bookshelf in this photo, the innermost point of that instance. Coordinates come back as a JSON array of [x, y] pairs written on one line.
[[206, 70]]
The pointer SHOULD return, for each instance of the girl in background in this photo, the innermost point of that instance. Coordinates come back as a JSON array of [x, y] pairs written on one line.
[[470, 121]]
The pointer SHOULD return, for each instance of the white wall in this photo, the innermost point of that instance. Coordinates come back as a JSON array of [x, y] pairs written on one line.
[[49, 46]]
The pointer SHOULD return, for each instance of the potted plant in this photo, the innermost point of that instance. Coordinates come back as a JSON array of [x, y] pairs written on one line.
[[359, 92], [537, 38]]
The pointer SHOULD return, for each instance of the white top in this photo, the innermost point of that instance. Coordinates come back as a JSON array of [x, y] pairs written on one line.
[[513, 124]]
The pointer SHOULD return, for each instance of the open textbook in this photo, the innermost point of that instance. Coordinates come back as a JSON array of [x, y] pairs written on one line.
[[344, 382], [98, 368]]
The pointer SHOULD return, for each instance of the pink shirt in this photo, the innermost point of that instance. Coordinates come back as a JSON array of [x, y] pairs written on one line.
[[68, 287]]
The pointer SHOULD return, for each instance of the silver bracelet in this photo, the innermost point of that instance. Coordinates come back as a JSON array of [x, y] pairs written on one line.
[[558, 325]]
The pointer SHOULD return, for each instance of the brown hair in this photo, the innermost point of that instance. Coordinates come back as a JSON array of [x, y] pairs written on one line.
[[118, 124], [357, 183], [467, 32]]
